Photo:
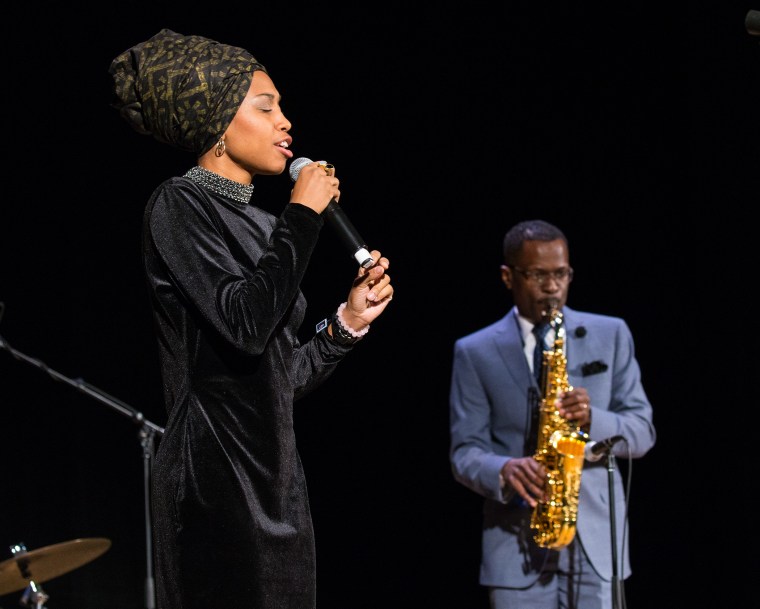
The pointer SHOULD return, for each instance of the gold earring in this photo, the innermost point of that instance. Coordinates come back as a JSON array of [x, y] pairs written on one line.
[[220, 147]]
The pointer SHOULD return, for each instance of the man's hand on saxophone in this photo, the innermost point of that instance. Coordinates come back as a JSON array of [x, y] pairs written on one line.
[[526, 477], [575, 406]]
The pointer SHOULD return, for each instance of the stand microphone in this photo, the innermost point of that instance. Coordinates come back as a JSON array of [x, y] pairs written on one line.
[[334, 216], [594, 451]]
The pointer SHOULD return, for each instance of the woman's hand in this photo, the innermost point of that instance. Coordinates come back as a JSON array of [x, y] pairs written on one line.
[[370, 294], [316, 186]]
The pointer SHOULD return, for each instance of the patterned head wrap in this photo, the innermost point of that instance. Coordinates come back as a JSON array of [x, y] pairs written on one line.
[[182, 90]]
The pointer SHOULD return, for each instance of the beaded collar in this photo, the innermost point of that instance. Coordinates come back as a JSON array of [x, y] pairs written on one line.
[[236, 191]]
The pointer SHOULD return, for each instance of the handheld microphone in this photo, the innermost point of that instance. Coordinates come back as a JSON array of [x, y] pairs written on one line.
[[596, 450], [340, 223]]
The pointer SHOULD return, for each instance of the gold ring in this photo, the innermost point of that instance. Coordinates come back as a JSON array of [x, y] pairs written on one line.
[[329, 169]]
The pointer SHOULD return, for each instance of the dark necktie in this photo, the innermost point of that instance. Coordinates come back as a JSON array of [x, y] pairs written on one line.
[[540, 331]]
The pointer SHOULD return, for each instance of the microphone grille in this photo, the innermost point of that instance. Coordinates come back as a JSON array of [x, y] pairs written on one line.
[[297, 165]]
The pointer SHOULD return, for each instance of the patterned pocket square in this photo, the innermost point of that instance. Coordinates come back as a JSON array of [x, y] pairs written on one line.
[[593, 368]]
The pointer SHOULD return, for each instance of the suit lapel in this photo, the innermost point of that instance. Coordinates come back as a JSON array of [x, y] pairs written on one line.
[[509, 345]]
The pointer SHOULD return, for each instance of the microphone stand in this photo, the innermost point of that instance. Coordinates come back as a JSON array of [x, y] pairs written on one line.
[[617, 584], [147, 434]]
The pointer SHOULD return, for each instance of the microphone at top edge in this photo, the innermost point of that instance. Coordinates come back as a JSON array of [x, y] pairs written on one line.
[[752, 23]]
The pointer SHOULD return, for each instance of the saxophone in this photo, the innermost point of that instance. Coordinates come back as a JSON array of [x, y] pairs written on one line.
[[559, 449]]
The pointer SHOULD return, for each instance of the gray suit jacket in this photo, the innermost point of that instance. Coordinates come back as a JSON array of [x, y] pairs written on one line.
[[490, 416]]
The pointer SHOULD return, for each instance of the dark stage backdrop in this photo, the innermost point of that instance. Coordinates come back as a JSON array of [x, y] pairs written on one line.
[[634, 129]]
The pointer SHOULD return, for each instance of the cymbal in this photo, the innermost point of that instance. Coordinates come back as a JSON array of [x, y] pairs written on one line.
[[49, 562]]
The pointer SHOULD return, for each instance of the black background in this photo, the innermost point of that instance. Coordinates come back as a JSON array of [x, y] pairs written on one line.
[[634, 129]]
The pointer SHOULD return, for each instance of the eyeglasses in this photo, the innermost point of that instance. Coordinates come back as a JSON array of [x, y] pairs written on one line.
[[542, 277]]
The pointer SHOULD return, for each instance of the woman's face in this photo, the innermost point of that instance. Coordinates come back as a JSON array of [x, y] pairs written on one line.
[[257, 138]]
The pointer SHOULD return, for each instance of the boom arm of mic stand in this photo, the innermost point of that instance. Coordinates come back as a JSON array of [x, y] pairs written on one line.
[[148, 431], [84, 387]]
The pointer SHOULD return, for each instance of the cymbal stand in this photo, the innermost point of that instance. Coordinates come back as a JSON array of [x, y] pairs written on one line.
[[147, 435], [32, 593], [33, 596]]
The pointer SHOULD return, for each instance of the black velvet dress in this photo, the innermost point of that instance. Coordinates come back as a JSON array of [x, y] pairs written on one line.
[[231, 518]]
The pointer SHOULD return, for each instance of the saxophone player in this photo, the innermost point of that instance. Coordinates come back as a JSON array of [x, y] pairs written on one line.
[[494, 397]]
